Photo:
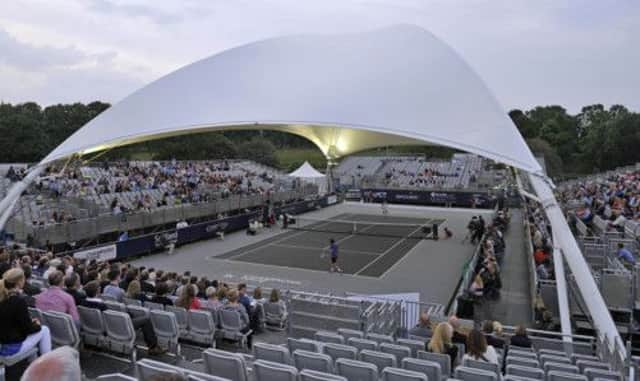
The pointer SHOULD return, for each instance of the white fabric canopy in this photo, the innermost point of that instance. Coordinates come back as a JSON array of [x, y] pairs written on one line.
[[346, 93], [306, 171]]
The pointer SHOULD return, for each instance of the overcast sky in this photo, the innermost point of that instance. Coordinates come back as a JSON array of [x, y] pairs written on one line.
[[536, 52]]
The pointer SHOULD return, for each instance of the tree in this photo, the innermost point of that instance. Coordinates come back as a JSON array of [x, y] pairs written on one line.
[[553, 161], [260, 150]]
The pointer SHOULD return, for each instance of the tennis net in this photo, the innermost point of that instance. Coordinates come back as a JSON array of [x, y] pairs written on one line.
[[380, 229]]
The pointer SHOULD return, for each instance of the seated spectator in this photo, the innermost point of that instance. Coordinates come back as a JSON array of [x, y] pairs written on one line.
[[492, 340], [457, 337], [62, 364], [423, 329], [187, 298], [19, 332], [542, 271], [275, 298], [29, 289], [134, 291], [539, 256], [520, 338], [113, 288], [243, 298], [162, 290], [478, 349], [56, 299], [625, 255], [142, 323], [441, 342], [234, 305], [213, 302], [257, 295], [72, 287], [146, 283]]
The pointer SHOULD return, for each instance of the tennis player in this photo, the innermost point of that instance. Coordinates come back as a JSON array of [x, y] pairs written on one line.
[[333, 250]]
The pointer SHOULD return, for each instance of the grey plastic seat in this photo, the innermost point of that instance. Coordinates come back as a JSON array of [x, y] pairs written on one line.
[[519, 352], [328, 337], [488, 366], [63, 329], [560, 367], [380, 338], [202, 329], [380, 359], [337, 351], [134, 302], [312, 360], [552, 352], [181, 318], [525, 371], [154, 306], [545, 358], [231, 326], [304, 344], [149, 368], [414, 345], [312, 375], [584, 364], [9, 361], [517, 378], [576, 356], [398, 374], [137, 311], [36, 313], [225, 364], [430, 368], [115, 306], [362, 344], [121, 335], [270, 352], [522, 361], [354, 370], [562, 376], [464, 373], [197, 376], [108, 298], [596, 373], [443, 360], [399, 351], [115, 377], [166, 328], [92, 328], [273, 371], [349, 333], [275, 315]]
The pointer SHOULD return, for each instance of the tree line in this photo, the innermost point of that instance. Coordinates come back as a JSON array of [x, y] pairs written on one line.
[[595, 139]]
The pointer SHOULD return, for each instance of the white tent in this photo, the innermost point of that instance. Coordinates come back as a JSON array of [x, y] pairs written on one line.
[[308, 174], [398, 85]]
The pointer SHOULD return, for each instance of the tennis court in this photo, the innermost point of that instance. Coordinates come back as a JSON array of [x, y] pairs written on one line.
[[368, 244]]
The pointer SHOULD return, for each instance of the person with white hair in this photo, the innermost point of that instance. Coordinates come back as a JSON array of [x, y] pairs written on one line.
[[61, 364]]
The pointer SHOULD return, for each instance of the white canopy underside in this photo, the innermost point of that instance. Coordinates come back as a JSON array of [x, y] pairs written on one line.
[[306, 171], [346, 93]]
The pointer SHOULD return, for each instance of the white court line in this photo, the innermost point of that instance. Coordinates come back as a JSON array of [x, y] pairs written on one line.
[[275, 242], [320, 248], [387, 251], [404, 257]]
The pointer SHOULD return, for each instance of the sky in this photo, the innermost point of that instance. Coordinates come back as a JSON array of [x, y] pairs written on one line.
[[538, 52]]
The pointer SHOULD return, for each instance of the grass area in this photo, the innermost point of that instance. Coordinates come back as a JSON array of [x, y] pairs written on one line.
[[290, 159]]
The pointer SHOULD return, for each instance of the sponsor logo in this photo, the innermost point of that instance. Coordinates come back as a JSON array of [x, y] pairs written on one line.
[[216, 227]]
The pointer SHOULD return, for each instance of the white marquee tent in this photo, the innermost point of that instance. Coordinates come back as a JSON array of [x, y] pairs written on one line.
[[308, 174], [398, 85]]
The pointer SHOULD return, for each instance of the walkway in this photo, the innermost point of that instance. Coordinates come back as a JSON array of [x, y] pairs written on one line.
[[514, 305]]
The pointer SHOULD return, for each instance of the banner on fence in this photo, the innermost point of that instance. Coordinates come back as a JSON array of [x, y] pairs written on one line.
[[102, 253], [420, 197]]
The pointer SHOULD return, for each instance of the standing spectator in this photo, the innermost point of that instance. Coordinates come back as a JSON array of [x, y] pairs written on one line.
[[478, 349], [56, 299], [19, 332]]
